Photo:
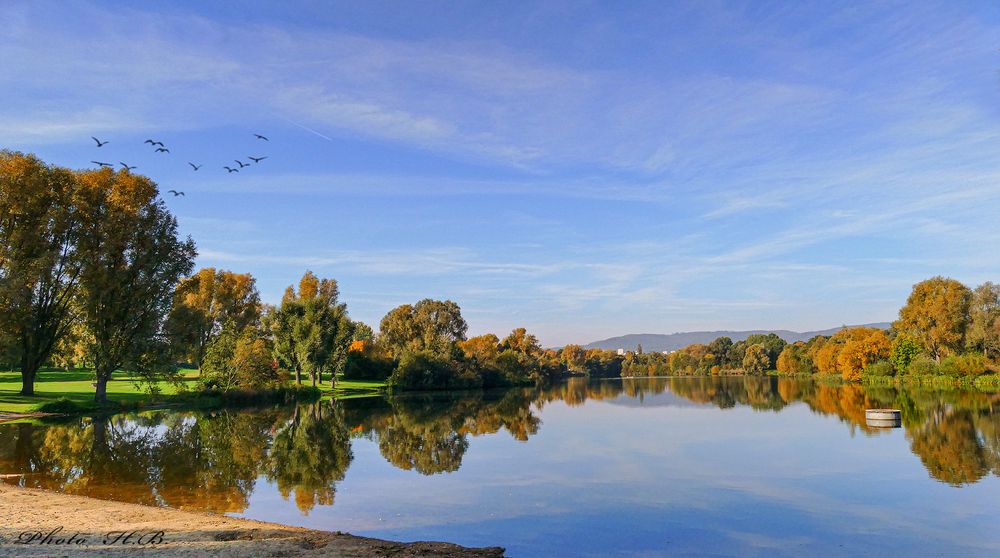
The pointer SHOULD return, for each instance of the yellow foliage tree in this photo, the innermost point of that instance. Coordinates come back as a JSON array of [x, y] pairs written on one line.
[[863, 346]]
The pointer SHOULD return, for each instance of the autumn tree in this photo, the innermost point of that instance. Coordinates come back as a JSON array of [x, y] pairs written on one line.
[[789, 360], [204, 303], [936, 314], [863, 346], [984, 320], [39, 260], [131, 258], [519, 340], [482, 348], [755, 360], [429, 325], [574, 357]]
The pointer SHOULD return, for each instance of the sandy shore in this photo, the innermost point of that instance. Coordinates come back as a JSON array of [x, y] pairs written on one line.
[[91, 527]]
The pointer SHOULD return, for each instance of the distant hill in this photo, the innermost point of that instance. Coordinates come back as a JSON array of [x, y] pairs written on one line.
[[655, 342]]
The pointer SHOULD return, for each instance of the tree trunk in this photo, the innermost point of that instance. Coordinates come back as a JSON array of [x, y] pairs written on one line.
[[29, 369], [313, 376], [298, 376], [101, 395]]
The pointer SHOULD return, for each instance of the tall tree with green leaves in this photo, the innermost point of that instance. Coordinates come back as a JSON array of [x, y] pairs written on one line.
[[314, 328], [204, 303], [429, 325], [936, 315], [39, 262], [984, 320], [131, 258]]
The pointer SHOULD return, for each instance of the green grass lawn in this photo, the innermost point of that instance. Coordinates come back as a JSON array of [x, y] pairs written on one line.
[[76, 386]]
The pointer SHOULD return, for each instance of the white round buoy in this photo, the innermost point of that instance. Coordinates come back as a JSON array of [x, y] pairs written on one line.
[[884, 418]]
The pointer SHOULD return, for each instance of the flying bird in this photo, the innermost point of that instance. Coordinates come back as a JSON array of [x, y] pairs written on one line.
[[258, 136], [256, 159], [152, 142], [194, 166], [241, 163], [175, 193], [231, 170], [100, 164], [162, 149], [126, 167], [99, 142]]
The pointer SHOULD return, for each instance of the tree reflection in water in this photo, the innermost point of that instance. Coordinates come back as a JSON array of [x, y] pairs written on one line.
[[213, 460]]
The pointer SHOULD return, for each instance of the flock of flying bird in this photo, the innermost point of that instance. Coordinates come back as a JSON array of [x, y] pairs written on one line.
[[160, 148]]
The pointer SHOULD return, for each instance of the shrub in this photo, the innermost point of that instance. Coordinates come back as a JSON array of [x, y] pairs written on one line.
[[923, 366], [968, 366], [62, 405], [880, 368], [427, 370], [361, 366]]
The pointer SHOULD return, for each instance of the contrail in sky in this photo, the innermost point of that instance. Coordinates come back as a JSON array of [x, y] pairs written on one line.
[[308, 129]]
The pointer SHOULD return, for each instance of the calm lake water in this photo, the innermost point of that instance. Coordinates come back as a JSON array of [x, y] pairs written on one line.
[[650, 467]]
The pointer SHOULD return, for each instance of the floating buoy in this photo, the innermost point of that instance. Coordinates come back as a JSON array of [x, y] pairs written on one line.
[[884, 418]]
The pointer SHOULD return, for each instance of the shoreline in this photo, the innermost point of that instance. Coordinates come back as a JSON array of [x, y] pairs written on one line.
[[72, 526]]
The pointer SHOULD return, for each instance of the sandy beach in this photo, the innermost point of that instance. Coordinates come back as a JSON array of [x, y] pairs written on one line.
[[41, 523]]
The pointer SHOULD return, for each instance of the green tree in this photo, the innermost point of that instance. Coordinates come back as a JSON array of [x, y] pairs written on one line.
[[131, 258], [429, 325], [206, 301], [721, 347], [39, 262], [755, 360], [984, 320], [239, 359], [904, 349], [772, 345], [314, 329], [936, 314]]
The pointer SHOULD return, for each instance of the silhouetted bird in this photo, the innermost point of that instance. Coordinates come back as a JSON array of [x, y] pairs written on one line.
[[175, 193], [231, 170], [256, 159], [258, 136], [100, 164], [151, 142], [194, 166], [162, 149], [126, 167], [241, 163], [99, 142]]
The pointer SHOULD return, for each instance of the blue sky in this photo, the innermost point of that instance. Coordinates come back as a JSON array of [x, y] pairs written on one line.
[[581, 169]]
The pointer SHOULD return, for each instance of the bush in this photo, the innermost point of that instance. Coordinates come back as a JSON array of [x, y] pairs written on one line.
[[360, 366], [923, 366], [62, 405], [880, 368], [276, 393], [967, 366], [427, 370]]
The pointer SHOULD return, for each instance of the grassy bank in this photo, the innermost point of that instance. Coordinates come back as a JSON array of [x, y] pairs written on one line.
[[74, 389]]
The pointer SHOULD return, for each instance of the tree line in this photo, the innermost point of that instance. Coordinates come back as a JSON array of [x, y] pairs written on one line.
[[944, 329], [93, 274]]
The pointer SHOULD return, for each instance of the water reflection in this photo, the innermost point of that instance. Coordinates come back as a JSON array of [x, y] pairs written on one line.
[[213, 460]]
